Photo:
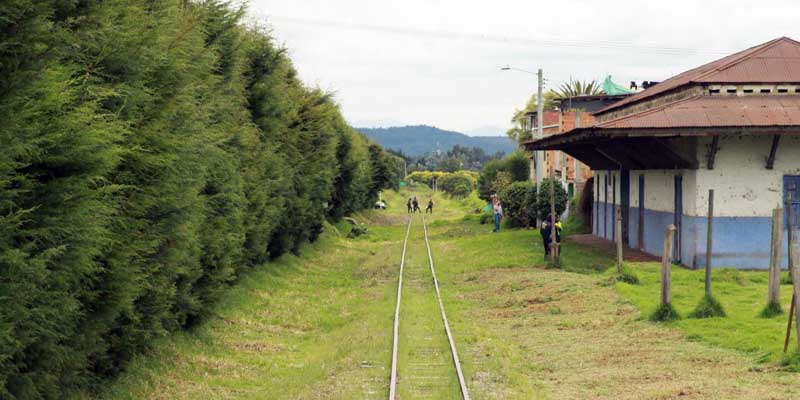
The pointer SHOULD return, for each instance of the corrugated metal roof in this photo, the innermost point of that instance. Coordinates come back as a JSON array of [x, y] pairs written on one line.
[[716, 111], [776, 61]]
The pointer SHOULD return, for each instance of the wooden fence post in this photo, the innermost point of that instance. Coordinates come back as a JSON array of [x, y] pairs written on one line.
[[709, 240], [553, 230], [773, 296], [618, 227], [794, 272], [666, 271]]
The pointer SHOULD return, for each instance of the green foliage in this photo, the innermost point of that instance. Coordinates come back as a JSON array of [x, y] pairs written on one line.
[[151, 152], [574, 88], [456, 184], [543, 200], [791, 362], [356, 231], [709, 307], [519, 204], [665, 313], [628, 275], [772, 309], [513, 168], [520, 130]]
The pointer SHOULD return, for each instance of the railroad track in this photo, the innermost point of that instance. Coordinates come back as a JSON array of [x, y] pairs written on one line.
[[447, 331]]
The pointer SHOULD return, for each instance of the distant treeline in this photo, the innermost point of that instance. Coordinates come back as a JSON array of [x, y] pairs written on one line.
[[421, 139], [150, 153], [456, 159]]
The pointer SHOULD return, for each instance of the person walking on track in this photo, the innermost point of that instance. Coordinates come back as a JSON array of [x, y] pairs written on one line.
[[430, 207], [415, 203], [408, 205]]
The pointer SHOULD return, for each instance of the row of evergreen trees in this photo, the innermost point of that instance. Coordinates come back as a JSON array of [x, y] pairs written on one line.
[[150, 153]]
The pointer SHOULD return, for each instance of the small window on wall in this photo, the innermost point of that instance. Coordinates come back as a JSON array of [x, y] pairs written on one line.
[[791, 190]]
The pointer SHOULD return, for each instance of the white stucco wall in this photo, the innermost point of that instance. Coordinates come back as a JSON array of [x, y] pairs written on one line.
[[743, 187], [659, 189]]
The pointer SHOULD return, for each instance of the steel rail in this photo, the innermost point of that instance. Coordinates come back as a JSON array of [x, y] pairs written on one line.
[[393, 382], [461, 382]]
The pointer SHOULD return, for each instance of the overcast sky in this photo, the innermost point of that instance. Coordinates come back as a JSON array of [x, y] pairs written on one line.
[[437, 62]]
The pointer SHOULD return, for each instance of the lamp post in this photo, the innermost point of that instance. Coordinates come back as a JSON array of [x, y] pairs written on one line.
[[538, 165]]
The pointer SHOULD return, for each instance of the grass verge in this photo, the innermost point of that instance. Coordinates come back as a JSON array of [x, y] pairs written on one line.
[[744, 294]]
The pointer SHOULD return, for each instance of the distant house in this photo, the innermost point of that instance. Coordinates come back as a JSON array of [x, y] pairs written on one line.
[[732, 125], [574, 112]]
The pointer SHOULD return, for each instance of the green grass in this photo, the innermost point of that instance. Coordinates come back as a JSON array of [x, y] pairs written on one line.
[[743, 295], [709, 307], [319, 325]]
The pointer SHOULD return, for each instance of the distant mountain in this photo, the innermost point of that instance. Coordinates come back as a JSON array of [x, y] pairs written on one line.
[[420, 139], [487, 130]]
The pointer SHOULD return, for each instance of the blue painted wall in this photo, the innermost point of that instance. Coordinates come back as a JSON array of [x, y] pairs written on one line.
[[739, 242]]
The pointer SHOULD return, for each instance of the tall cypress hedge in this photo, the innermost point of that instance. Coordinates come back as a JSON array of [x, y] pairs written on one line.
[[150, 153]]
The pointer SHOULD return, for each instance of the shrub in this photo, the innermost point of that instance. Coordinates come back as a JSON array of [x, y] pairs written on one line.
[[519, 204], [709, 307], [516, 167], [665, 313], [455, 184], [543, 199], [772, 309], [627, 275], [151, 153]]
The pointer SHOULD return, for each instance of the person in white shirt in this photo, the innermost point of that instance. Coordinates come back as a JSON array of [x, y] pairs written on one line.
[[498, 214]]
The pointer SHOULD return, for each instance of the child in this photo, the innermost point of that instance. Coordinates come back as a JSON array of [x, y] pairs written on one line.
[[430, 207]]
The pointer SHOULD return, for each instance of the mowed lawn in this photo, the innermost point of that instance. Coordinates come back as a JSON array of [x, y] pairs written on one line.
[[319, 326]]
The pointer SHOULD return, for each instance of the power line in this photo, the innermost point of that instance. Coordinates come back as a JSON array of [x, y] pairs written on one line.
[[511, 40]]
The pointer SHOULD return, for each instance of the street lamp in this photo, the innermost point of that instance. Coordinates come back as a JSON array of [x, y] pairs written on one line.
[[539, 133]]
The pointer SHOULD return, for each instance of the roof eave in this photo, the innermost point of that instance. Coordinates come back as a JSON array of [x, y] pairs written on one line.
[[583, 136]]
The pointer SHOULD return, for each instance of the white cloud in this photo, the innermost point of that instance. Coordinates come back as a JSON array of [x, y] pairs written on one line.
[[437, 62]]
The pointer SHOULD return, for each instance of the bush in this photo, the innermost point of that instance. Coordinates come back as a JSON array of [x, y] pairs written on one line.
[[516, 167], [456, 184], [519, 204], [356, 231], [772, 309], [543, 199], [151, 153], [627, 275], [709, 307], [665, 313]]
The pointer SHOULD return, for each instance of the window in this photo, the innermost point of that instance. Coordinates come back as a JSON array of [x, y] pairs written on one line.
[[766, 90], [713, 91], [784, 90], [731, 91], [747, 91]]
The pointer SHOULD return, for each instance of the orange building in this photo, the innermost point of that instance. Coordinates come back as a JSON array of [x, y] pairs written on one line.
[[571, 113]]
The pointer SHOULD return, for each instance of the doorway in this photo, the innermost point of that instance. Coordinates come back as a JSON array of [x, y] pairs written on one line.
[[678, 218], [625, 202], [641, 212]]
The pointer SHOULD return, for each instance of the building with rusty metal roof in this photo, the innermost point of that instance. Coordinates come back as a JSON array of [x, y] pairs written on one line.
[[731, 126]]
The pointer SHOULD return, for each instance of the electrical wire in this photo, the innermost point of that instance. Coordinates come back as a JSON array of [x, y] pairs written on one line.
[[510, 40]]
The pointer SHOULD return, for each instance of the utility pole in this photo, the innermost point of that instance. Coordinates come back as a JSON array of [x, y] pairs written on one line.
[[537, 154]]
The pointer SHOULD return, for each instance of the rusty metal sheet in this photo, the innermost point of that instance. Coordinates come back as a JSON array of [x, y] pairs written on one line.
[[720, 110], [776, 61]]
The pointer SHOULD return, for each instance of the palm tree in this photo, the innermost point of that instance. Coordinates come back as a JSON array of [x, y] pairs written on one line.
[[575, 88]]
